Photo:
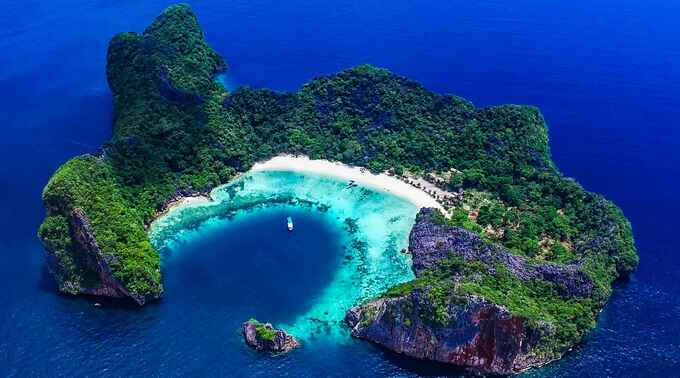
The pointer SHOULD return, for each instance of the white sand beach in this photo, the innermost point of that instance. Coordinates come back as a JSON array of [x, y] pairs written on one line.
[[382, 223], [303, 164], [361, 176], [181, 202]]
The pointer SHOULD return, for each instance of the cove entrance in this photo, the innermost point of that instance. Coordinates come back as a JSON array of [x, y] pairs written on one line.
[[346, 247]]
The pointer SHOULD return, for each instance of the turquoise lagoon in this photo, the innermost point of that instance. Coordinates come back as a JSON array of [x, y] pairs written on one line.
[[348, 245]]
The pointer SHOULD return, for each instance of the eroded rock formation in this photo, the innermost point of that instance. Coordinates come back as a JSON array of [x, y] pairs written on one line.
[[264, 337], [464, 309]]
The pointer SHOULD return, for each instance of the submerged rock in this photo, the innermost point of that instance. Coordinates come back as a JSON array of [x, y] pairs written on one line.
[[264, 337]]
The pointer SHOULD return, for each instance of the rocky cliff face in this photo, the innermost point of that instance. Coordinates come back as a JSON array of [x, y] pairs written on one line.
[[463, 309], [83, 268], [95, 242], [265, 337], [430, 243], [100, 264], [482, 336], [94, 231]]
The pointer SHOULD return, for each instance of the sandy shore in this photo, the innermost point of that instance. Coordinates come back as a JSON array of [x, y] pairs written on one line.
[[359, 175], [303, 164], [186, 201]]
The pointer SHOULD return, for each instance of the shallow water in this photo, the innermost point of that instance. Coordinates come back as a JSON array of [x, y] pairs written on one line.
[[233, 259], [361, 252]]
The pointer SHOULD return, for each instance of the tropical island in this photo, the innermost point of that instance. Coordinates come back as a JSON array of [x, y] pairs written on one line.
[[513, 261]]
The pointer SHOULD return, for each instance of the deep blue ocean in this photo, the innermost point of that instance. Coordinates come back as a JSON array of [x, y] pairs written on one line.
[[605, 74]]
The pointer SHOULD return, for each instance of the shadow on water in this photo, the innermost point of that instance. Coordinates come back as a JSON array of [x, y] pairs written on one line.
[[47, 284], [420, 367]]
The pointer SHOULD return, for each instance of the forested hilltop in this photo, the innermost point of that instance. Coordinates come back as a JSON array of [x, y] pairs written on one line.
[[177, 131]]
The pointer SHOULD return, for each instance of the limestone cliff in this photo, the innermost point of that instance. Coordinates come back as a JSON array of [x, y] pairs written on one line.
[[477, 305]]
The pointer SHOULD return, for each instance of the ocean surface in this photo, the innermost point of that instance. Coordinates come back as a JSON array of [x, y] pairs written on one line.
[[605, 74]]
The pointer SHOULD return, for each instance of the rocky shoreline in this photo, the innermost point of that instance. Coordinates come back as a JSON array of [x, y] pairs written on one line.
[[264, 337], [437, 318]]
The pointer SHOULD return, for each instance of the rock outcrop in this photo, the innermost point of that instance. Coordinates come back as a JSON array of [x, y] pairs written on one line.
[[83, 268], [462, 308], [431, 242], [86, 251], [264, 337], [108, 286], [482, 336]]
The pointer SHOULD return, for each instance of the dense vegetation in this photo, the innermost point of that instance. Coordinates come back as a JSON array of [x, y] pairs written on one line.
[[559, 320], [89, 183], [264, 331], [176, 129]]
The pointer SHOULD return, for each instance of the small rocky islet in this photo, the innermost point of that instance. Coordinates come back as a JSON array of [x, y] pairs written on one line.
[[264, 337], [511, 278]]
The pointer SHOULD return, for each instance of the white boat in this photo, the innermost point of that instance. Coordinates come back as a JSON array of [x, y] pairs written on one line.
[[290, 223]]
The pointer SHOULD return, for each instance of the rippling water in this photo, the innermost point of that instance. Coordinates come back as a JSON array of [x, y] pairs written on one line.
[[605, 73]]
